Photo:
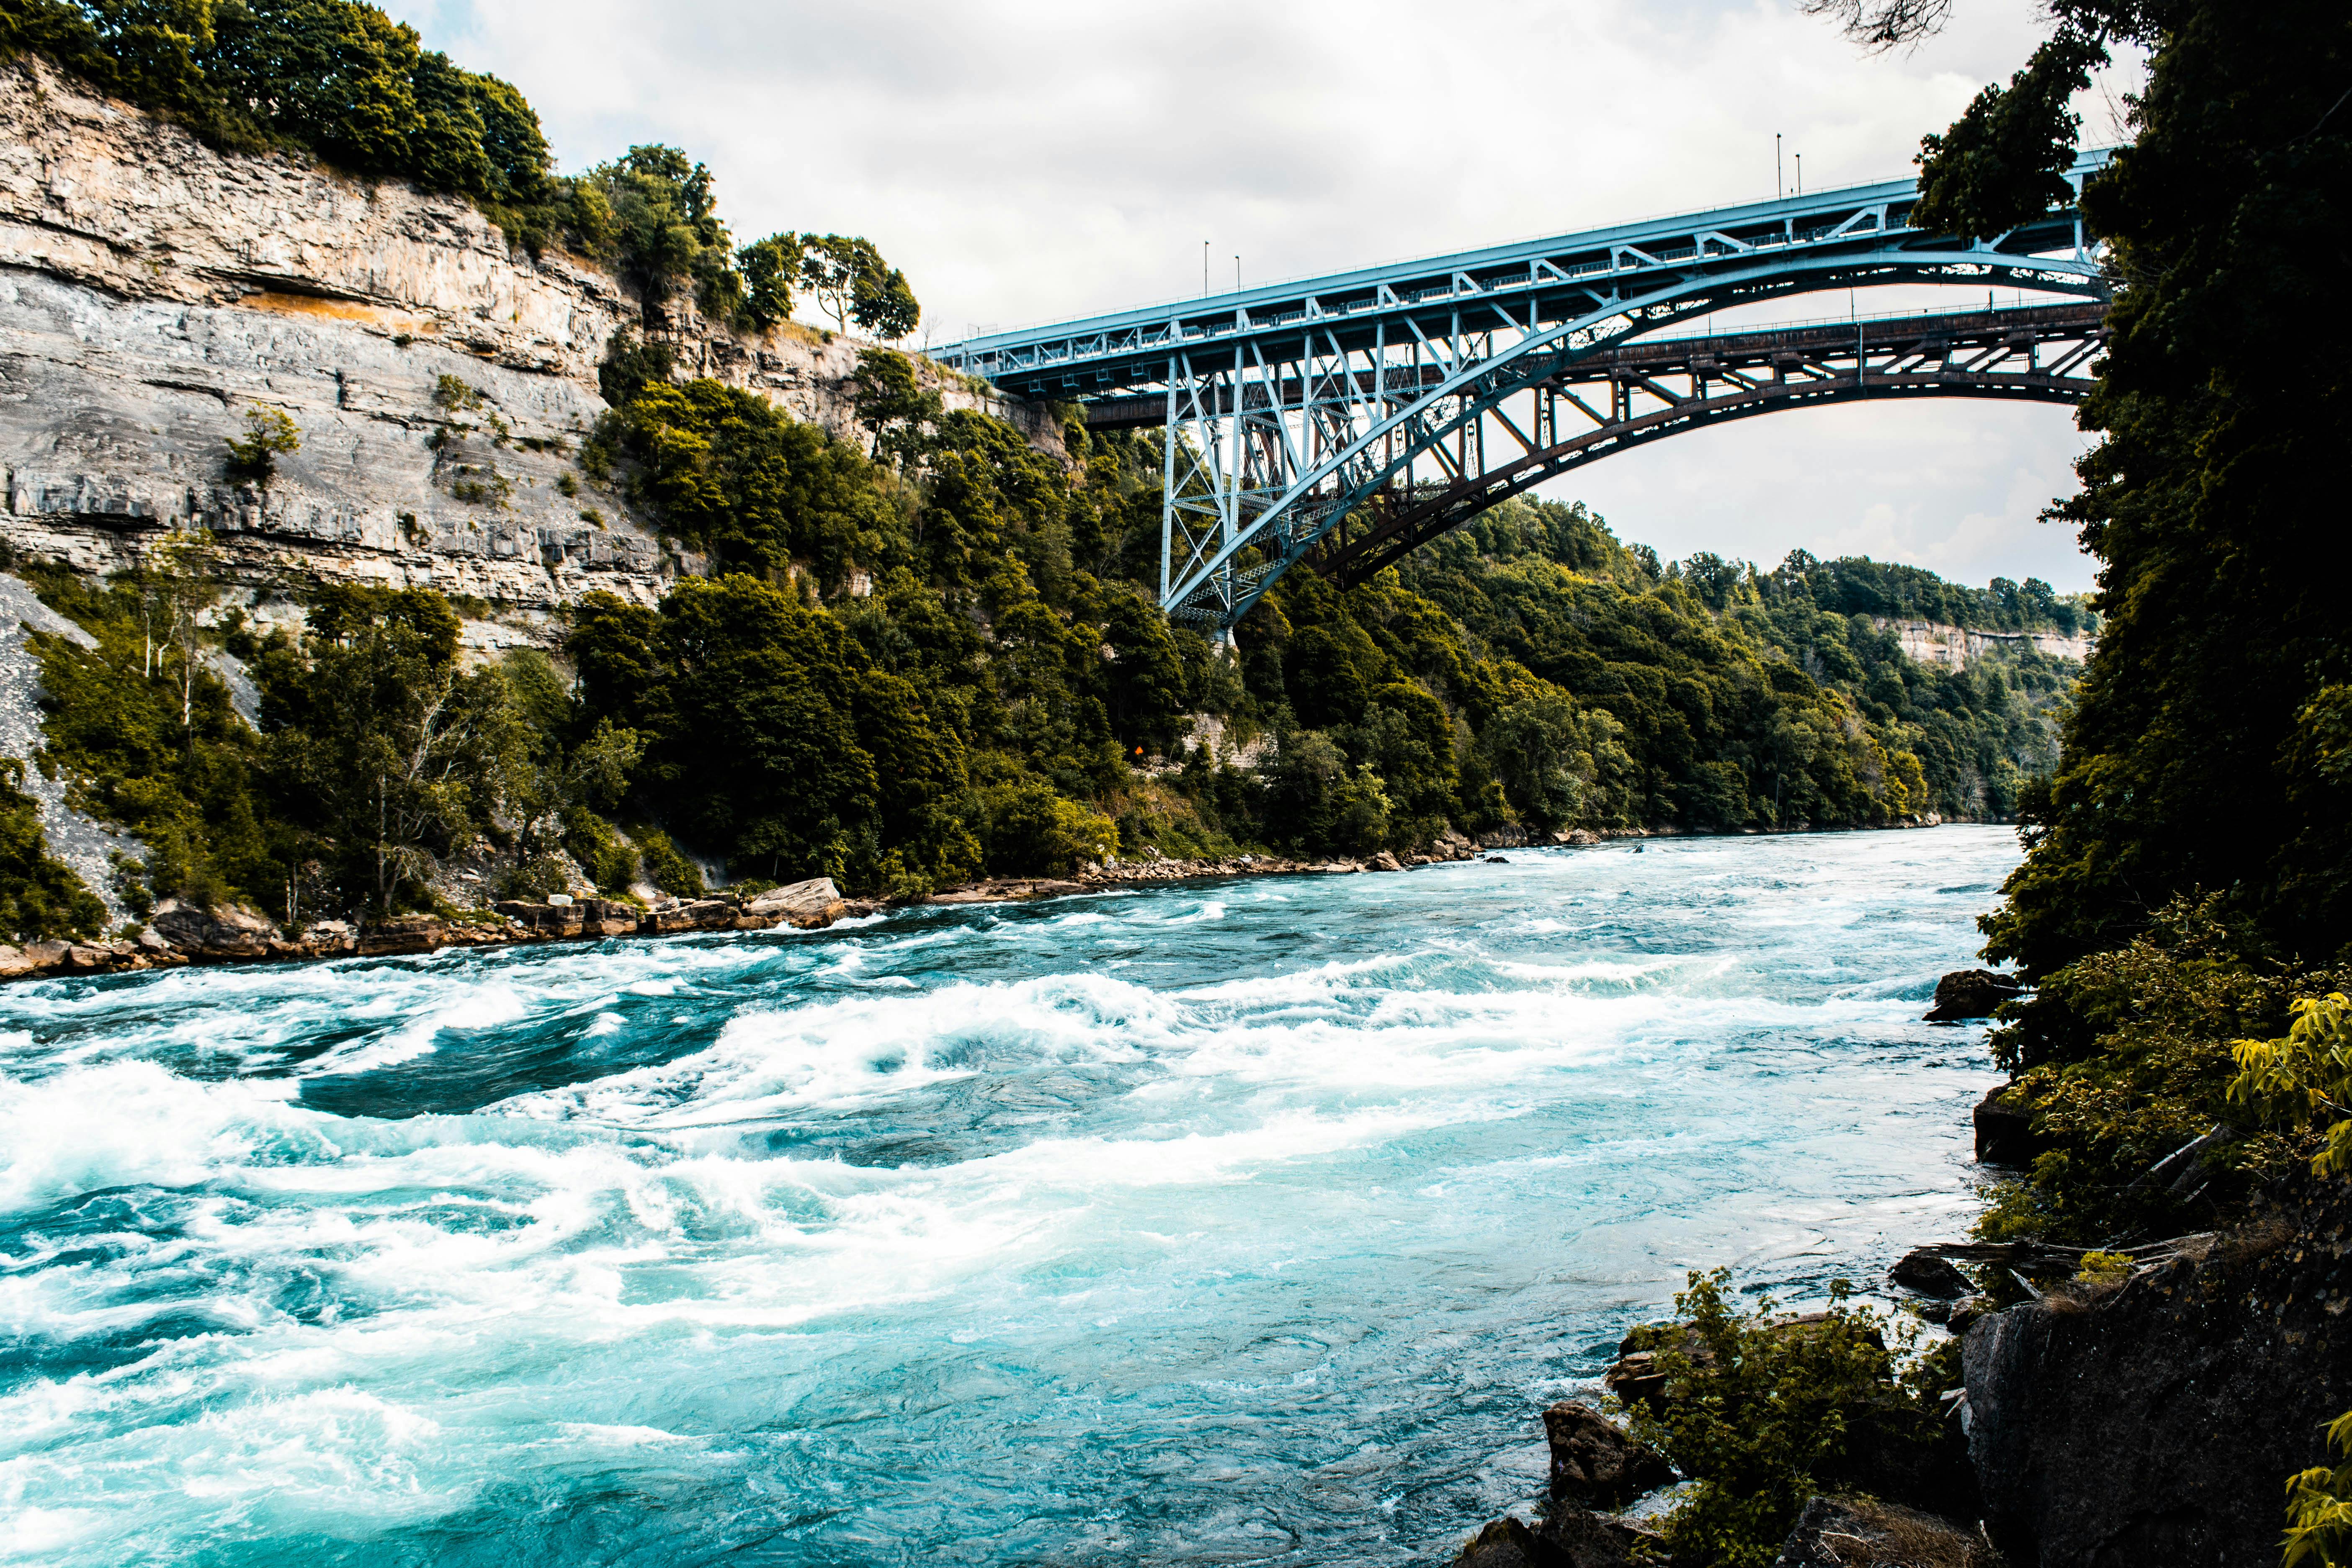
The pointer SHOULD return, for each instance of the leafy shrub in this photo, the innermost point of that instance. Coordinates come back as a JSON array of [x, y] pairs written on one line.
[[269, 435], [1761, 1413], [2304, 1081], [40, 896], [665, 867]]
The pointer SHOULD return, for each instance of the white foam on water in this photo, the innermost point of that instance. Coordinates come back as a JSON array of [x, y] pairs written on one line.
[[309, 1323], [129, 1123], [485, 1006]]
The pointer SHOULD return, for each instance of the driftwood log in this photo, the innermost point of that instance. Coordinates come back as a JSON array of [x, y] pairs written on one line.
[[2042, 1256]]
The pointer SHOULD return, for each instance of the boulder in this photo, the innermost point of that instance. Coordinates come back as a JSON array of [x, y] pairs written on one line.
[[1965, 1311], [1637, 1376], [607, 916], [225, 932], [1568, 1538], [1594, 1463], [550, 918], [815, 902], [1971, 993], [1927, 1273], [403, 934], [1383, 861], [2158, 1423], [1504, 1543], [14, 963], [2005, 1134], [1847, 1532]]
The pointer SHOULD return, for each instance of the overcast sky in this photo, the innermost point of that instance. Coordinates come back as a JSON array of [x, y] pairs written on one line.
[[1026, 161]]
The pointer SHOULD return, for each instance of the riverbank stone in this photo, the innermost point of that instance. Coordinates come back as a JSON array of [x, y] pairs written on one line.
[[1966, 994], [221, 933], [1927, 1274], [1594, 1462], [2005, 1134]]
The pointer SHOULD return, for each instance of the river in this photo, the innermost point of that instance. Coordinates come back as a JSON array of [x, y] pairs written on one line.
[[1218, 1222]]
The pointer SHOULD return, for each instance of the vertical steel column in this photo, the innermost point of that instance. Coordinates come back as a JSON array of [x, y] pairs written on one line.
[[1168, 479]]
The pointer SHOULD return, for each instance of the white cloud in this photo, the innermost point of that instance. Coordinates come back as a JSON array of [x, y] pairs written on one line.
[[1026, 159]]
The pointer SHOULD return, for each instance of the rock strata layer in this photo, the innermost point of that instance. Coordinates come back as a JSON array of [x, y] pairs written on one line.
[[154, 291]]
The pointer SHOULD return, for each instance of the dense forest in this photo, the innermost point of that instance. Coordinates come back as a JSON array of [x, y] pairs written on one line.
[[991, 706], [2184, 911]]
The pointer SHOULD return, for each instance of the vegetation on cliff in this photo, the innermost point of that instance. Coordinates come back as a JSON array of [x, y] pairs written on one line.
[[2188, 870], [346, 84]]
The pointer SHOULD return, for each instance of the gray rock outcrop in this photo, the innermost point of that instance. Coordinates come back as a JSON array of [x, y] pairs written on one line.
[[2157, 1422], [152, 291], [1594, 1463]]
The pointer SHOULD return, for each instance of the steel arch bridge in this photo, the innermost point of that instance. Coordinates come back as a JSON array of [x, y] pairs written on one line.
[[1354, 416]]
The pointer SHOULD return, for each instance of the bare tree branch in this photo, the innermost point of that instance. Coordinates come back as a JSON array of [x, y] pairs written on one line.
[[1883, 24]]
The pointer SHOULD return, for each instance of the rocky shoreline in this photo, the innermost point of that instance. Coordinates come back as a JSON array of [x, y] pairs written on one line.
[[177, 934]]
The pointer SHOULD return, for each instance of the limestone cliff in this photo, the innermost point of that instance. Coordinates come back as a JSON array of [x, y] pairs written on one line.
[[1931, 642], [154, 290]]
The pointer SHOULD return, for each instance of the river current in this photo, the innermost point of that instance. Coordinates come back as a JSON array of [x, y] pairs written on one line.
[[1218, 1222]]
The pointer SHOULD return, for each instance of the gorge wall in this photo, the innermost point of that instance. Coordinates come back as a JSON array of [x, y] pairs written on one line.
[[1931, 642], [152, 291]]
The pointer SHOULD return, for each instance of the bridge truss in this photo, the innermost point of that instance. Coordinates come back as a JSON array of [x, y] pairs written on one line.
[[1356, 416]]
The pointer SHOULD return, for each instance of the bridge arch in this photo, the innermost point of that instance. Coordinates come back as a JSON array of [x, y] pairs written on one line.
[[1366, 401]]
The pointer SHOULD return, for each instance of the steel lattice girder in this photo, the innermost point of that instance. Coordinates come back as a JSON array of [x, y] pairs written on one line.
[[1288, 407], [2036, 355]]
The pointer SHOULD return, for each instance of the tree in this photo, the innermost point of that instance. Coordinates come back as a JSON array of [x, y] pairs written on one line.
[[179, 584], [664, 229], [378, 745], [2189, 760], [853, 284], [770, 267], [891, 401]]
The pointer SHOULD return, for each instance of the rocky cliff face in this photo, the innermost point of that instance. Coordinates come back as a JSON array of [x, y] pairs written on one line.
[[2159, 1423], [152, 291], [1931, 642]]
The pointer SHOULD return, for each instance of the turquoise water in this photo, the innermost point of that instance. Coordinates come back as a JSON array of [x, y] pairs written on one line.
[[1227, 1223]]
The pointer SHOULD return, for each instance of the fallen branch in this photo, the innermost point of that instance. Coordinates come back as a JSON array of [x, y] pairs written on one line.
[[2043, 1254]]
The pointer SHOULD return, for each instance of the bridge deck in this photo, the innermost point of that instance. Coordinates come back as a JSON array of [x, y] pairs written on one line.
[[1517, 286], [1760, 349]]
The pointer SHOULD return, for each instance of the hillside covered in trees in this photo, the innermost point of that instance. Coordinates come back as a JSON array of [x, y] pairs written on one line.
[[924, 658]]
